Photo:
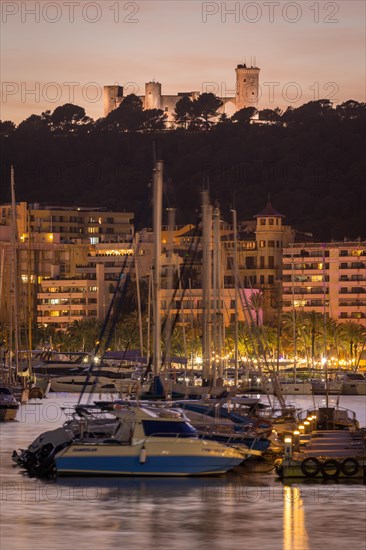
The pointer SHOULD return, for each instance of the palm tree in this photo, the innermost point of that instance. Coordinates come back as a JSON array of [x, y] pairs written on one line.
[[83, 334], [334, 336], [256, 302], [352, 335], [312, 334]]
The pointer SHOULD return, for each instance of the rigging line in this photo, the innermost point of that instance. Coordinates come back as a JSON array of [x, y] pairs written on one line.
[[191, 259], [112, 303], [248, 313]]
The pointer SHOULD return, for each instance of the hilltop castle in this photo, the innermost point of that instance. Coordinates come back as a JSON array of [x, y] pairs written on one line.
[[247, 93]]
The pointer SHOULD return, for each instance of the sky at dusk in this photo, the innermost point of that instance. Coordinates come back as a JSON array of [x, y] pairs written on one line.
[[58, 52]]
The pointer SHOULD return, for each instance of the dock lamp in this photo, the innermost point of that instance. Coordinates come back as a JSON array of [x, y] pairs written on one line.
[[301, 429], [311, 423], [296, 441], [288, 448], [315, 419], [307, 426]]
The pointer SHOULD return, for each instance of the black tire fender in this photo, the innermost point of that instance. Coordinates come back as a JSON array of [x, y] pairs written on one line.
[[350, 467], [333, 464], [310, 466]]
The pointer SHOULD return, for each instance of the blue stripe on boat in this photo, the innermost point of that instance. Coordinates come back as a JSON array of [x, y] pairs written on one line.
[[158, 465]]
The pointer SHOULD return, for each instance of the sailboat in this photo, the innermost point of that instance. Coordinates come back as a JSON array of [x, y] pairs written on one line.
[[8, 403]]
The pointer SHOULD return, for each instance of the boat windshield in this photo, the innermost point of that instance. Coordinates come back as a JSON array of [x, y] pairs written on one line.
[[168, 428]]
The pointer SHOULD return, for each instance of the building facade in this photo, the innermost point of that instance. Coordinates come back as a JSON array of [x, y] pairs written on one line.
[[72, 224], [328, 278]]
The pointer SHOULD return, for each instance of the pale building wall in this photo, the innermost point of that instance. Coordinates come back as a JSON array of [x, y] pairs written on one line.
[[112, 98], [334, 271], [247, 87]]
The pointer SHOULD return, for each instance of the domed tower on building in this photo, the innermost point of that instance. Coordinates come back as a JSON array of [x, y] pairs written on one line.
[[112, 98], [152, 95], [247, 86]]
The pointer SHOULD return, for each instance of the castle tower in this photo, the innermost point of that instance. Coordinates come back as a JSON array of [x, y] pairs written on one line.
[[112, 98], [152, 95], [247, 86]]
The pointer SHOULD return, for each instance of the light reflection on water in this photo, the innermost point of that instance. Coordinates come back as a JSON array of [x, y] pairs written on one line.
[[238, 510]]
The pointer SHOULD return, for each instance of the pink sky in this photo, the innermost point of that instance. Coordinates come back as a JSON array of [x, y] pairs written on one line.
[[322, 52]]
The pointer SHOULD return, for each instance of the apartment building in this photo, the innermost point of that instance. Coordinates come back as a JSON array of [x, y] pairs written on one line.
[[329, 278], [72, 223]]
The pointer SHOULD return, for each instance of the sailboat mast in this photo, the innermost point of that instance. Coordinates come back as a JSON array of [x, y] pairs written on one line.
[[170, 273], [206, 286], [325, 330], [14, 271], [236, 282], [158, 199], [137, 237], [294, 320], [29, 294]]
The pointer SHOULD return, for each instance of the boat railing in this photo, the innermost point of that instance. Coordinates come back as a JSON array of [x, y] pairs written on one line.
[[178, 437], [351, 415]]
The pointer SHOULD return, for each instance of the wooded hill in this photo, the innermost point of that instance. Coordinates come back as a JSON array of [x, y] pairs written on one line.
[[311, 160]]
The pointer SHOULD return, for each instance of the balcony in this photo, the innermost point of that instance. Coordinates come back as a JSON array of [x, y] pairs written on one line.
[[352, 303]]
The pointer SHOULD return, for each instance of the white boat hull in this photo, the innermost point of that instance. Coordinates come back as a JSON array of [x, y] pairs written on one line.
[[303, 388], [76, 384], [354, 387]]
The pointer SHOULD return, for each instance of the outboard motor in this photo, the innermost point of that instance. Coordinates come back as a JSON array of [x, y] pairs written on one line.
[[38, 459]]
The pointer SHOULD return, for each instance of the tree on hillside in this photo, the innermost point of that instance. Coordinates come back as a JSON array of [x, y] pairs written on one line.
[[309, 113], [128, 117], [244, 116], [204, 110], [35, 124], [183, 112], [351, 109], [68, 118], [154, 120], [7, 127], [224, 119], [271, 115]]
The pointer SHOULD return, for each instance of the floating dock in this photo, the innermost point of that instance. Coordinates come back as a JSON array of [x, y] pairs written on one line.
[[328, 454]]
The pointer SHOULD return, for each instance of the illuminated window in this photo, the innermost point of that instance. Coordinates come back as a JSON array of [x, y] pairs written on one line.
[[24, 278]]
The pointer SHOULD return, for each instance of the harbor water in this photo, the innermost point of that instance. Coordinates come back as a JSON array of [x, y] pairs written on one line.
[[242, 509]]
